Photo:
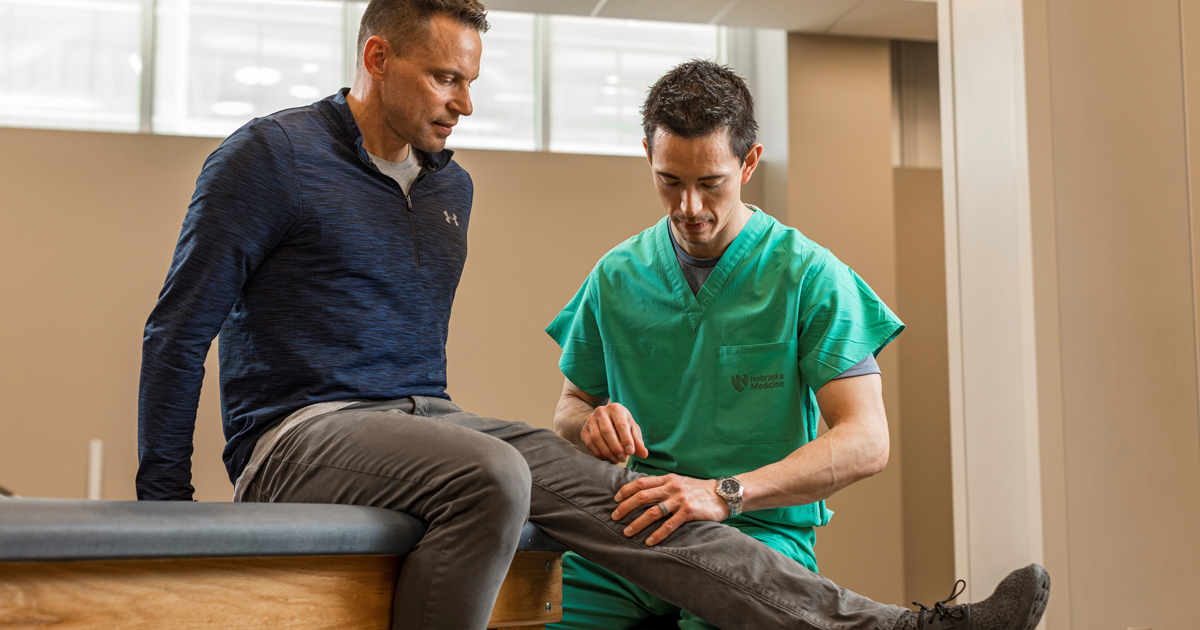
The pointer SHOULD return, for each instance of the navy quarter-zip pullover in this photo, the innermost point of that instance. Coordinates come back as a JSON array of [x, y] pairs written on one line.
[[324, 280]]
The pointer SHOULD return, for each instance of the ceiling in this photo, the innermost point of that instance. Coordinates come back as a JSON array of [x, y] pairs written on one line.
[[891, 19]]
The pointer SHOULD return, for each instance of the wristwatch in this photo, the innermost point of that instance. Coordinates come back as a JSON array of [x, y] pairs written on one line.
[[730, 489]]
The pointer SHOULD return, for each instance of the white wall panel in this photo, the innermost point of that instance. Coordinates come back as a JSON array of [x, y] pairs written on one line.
[[990, 306]]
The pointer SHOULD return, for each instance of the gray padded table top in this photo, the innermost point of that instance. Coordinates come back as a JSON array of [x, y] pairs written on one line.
[[70, 529]]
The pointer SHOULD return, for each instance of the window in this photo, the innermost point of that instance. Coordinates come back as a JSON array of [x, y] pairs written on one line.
[[600, 71], [70, 64], [557, 83], [220, 63], [504, 97]]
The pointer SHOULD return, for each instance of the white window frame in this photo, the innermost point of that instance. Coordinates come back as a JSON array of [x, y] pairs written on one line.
[[727, 52]]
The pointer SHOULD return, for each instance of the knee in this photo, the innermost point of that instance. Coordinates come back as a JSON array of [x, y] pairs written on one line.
[[502, 476]]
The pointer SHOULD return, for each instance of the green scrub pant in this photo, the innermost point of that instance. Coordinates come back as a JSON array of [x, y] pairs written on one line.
[[595, 598]]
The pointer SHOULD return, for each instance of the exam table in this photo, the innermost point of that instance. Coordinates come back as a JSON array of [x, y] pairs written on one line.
[[74, 564]]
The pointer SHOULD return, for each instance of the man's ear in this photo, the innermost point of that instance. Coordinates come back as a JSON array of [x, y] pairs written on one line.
[[751, 162], [376, 54], [646, 146]]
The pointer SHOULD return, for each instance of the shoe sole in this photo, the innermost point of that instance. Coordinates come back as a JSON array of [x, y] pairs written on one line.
[[1036, 601]]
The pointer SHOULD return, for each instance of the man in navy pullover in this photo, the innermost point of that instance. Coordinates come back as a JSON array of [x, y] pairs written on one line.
[[324, 244]]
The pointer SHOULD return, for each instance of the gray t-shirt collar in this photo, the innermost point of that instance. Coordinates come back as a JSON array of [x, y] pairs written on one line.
[[695, 270], [404, 173]]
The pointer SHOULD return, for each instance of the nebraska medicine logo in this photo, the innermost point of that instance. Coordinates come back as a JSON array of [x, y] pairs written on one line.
[[757, 381]]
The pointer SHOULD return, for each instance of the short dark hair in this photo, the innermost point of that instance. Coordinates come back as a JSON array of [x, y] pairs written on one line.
[[401, 22], [699, 97]]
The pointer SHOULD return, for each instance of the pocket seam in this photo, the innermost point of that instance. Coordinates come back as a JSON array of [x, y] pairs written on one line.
[[755, 348]]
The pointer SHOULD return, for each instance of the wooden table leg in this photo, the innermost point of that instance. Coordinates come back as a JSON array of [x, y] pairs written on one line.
[[531, 595]]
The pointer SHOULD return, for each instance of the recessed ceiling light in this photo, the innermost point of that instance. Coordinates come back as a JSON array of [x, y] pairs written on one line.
[[304, 91], [247, 75], [254, 75], [269, 76], [232, 108]]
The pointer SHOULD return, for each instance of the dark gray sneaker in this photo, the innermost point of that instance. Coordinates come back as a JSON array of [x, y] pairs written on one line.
[[1017, 604]]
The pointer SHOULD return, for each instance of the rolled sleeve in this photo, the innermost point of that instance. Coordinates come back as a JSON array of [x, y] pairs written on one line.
[[842, 321]]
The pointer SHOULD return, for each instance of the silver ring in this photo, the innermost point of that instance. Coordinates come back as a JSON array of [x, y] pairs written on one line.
[[662, 507]]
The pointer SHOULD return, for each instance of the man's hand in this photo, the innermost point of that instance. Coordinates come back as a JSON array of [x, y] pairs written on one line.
[[687, 499], [611, 433]]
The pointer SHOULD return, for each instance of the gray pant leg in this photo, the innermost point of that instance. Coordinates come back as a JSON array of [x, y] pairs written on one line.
[[471, 488], [724, 576]]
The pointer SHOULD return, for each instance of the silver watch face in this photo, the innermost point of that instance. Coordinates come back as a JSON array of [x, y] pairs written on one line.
[[729, 487]]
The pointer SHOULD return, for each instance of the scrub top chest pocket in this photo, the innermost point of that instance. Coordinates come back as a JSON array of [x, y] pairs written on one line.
[[758, 393]]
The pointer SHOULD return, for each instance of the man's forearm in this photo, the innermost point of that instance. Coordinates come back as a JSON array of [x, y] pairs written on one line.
[[169, 392], [569, 418], [843, 455], [176, 342]]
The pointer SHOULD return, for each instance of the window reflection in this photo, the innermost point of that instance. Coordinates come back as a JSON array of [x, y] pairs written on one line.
[[222, 62], [504, 97], [600, 71], [70, 64], [219, 63]]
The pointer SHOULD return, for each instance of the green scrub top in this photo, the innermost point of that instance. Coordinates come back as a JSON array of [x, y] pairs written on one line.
[[722, 382]]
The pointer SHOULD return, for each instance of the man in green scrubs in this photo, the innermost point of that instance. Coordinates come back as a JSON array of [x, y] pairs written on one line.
[[704, 350]]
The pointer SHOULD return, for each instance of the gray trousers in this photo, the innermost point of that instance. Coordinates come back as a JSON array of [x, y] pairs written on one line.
[[476, 480]]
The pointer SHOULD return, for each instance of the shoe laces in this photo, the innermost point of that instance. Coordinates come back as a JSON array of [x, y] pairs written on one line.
[[940, 610]]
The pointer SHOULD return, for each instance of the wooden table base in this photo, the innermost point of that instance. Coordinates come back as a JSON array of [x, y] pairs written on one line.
[[310, 593]]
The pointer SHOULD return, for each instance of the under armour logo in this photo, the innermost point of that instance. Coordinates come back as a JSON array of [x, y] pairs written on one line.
[[739, 381], [450, 218]]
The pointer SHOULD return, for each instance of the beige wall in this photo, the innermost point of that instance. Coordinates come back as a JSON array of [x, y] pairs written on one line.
[[1049, 373], [840, 195], [88, 222], [1126, 306], [532, 245], [1098, 163], [890, 538], [924, 386]]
